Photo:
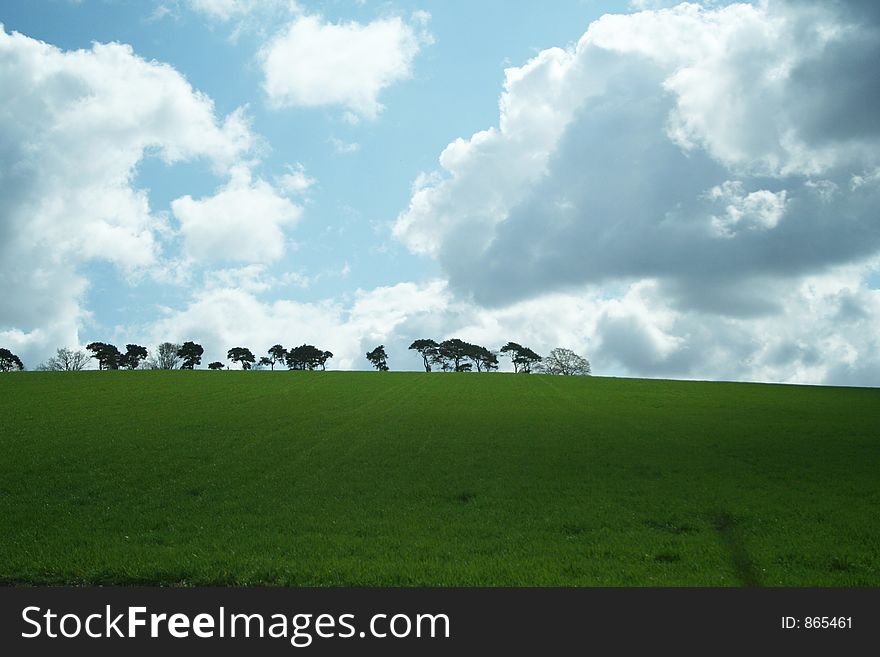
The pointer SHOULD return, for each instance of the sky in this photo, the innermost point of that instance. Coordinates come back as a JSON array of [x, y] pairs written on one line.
[[671, 190]]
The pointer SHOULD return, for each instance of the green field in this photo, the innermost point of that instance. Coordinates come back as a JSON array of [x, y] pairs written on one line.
[[400, 479]]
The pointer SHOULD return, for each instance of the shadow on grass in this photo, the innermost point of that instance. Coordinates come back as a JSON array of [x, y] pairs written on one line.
[[726, 526]]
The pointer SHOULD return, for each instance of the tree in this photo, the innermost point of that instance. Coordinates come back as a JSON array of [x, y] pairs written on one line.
[[451, 355], [216, 365], [297, 358], [428, 351], [265, 361], [134, 354], [107, 355], [482, 358], [191, 354], [378, 358], [564, 362], [277, 354], [166, 357], [9, 362], [307, 357], [523, 358], [241, 355], [65, 360]]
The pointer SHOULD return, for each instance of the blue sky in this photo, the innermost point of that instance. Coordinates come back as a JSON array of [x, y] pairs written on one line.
[[637, 188]]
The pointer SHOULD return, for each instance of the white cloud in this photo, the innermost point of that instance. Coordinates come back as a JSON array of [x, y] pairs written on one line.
[[344, 148], [759, 210], [698, 165], [244, 220], [295, 180], [606, 155], [226, 11], [76, 124], [313, 63], [223, 317], [630, 333], [253, 279], [223, 10]]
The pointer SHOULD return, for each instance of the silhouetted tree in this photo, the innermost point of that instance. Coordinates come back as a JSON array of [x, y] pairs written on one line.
[[107, 355], [65, 360], [265, 361], [482, 358], [297, 358], [428, 350], [191, 354], [241, 355], [564, 362], [133, 356], [216, 365], [165, 358], [523, 358], [378, 358], [277, 354], [451, 355], [307, 357], [9, 362]]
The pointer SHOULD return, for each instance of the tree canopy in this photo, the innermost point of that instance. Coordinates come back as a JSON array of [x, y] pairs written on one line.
[[216, 365], [277, 354], [451, 355], [523, 358], [107, 355], [378, 358], [483, 359], [241, 355], [133, 356], [307, 357], [9, 362], [165, 358], [564, 362], [191, 354], [65, 360], [428, 350]]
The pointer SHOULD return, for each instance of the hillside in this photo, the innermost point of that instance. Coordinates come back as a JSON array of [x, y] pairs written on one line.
[[356, 478]]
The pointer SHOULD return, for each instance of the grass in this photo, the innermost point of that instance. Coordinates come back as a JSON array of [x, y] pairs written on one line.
[[402, 479]]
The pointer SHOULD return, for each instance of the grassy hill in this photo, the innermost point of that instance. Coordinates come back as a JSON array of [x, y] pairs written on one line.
[[356, 478]]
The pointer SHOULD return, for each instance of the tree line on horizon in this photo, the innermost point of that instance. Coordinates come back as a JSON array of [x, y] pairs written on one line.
[[456, 355], [452, 355]]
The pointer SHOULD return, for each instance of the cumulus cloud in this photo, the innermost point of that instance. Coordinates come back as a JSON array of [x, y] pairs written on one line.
[[76, 124], [678, 143], [313, 63], [244, 220], [222, 316], [713, 157], [631, 332]]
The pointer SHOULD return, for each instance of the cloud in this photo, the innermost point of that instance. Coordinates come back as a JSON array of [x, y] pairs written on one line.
[[244, 220], [707, 149], [704, 170], [344, 148], [295, 180], [224, 10], [220, 317], [76, 125], [314, 63], [631, 332], [227, 11]]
